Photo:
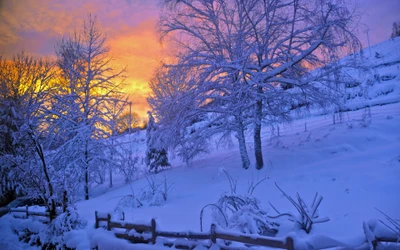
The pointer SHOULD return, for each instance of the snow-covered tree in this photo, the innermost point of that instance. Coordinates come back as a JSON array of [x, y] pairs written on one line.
[[127, 122], [156, 154], [26, 85], [114, 111], [263, 47], [395, 30], [174, 104], [88, 85]]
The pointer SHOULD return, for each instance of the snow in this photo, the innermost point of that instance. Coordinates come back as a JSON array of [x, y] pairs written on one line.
[[355, 168]]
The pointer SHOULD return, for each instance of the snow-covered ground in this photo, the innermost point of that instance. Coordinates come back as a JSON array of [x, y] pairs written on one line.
[[354, 164], [356, 169]]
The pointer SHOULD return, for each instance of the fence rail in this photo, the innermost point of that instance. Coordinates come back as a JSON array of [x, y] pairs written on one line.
[[149, 233], [27, 212]]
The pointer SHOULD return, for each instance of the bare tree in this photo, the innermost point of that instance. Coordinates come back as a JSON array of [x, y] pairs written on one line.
[[114, 110], [268, 49], [90, 85], [127, 121]]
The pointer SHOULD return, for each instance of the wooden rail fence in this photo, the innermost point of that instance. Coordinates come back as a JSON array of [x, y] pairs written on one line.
[[148, 234], [25, 213], [142, 233]]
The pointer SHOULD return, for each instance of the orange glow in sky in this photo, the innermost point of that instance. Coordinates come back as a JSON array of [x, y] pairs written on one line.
[[130, 25], [35, 26]]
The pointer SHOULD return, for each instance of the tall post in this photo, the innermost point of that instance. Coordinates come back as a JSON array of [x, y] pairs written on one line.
[[108, 222], [153, 231], [130, 117], [96, 225], [213, 234], [289, 243], [369, 45]]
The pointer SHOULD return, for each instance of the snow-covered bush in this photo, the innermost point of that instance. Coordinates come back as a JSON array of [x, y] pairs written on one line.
[[27, 230], [242, 213], [155, 193], [392, 224], [128, 163], [308, 214], [53, 236], [130, 200], [157, 190], [366, 117], [156, 155], [382, 234]]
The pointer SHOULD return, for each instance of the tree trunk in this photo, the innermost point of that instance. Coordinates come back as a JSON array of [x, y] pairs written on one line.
[[86, 173], [112, 158], [111, 179], [242, 146], [51, 205], [86, 183], [257, 136]]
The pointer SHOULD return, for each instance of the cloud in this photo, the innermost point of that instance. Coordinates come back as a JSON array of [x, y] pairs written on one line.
[[36, 25]]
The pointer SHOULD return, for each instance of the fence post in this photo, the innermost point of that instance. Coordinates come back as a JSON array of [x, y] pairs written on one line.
[[26, 209], [213, 235], [289, 243], [96, 224], [153, 231], [109, 222]]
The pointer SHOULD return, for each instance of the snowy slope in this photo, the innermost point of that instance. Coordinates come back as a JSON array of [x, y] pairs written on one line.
[[380, 84], [356, 168]]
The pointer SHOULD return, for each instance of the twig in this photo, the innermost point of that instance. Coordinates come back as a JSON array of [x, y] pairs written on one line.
[[201, 215]]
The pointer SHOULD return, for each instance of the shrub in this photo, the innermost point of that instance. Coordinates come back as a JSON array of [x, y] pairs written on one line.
[[53, 236], [308, 214], [242, 213], [155, 193]]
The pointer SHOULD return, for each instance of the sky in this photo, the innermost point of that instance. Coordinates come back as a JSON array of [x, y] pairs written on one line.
[[35, 26]]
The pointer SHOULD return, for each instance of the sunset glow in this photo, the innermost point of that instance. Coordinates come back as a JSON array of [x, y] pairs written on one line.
[[130, 25]]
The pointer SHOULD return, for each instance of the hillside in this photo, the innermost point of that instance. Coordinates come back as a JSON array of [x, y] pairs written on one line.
[[354, 164]]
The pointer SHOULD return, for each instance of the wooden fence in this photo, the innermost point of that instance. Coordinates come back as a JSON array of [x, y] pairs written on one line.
[[27, 213], [148, 234], [142, 233]]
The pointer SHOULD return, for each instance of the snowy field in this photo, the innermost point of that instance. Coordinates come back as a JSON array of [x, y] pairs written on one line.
[[354, 164], [356, 169]]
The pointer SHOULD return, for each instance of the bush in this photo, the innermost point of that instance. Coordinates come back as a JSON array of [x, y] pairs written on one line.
[[53, 236], [308, 214], [366, 117], [154, 194], [27, 230], [242, 213]]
